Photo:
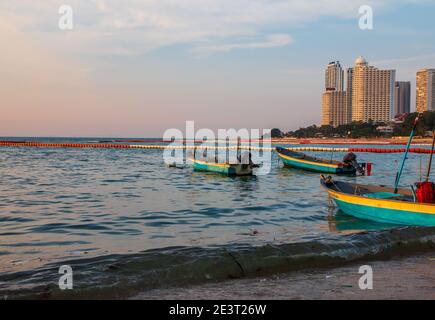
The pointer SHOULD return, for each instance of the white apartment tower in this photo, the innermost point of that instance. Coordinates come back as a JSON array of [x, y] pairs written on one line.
[[372, 92]]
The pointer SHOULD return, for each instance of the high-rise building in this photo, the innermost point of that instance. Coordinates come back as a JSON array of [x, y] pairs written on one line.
[[334, 77], [334, 108], [349, 94], [372, 92], [425, 90], [334, 99], [402, 97]]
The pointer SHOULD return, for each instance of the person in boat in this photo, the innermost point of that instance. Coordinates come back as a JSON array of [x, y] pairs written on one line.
[[349, 160], [249, 161]]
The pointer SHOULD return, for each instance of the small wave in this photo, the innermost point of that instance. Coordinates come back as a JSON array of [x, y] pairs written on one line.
[[121, 276]]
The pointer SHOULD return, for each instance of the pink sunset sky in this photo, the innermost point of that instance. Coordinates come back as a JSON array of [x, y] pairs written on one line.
[[138, 67]]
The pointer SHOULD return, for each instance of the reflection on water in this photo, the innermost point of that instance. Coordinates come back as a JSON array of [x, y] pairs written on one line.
[[343, 223]]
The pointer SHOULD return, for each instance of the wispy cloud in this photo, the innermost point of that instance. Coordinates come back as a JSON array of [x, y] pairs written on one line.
[[138, 26], [274, 40], [395, 61]]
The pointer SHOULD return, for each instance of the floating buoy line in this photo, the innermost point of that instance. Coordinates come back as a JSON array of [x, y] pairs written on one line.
[[201, 147]]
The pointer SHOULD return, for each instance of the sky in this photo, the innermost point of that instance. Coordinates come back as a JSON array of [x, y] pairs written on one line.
[[135, 68]]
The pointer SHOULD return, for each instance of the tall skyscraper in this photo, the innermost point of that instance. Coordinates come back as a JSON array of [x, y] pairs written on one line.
[[372, 92], [334, 77], [334, 108], [402, 97], [425, 90], [349, 94], [334, 99]]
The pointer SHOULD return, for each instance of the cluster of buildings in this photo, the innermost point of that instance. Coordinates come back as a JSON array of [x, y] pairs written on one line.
[[372, 94]]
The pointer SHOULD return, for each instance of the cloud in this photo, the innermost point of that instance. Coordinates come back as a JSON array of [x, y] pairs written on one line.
[[395, 61], [271, 41], [137, 26]]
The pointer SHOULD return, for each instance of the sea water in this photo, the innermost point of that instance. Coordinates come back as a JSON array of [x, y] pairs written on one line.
[[120, 214]]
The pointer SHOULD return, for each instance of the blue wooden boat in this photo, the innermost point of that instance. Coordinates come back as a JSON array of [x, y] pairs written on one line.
[[302, 161], [379, 203], [238, 169]]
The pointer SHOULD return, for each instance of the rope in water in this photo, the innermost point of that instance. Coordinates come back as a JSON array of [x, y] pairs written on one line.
[[140, 146]]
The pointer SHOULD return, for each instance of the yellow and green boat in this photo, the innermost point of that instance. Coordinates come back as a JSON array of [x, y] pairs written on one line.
[[302, 161], [380, 203], [238, 169]]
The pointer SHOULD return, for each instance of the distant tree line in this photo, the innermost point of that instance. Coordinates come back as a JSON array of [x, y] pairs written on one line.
[[426, 123], [364, 130]]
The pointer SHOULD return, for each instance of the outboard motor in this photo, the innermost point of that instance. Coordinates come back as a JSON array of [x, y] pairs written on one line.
[[246, 159], [350, 160]]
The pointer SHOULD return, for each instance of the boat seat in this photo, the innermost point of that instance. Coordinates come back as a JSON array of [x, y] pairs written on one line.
[[382, 195]]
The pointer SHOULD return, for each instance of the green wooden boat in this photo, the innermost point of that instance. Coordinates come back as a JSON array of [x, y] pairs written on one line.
[[302, 161], [379, 203], [238, 169]]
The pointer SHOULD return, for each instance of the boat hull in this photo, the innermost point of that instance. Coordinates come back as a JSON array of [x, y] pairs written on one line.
[[223, 168], [384, 210], [313, 166]]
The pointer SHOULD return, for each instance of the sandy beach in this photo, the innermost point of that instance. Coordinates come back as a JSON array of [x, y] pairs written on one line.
[[399, 278]]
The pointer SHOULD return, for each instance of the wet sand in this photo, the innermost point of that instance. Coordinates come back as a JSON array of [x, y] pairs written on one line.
[[398, 278]]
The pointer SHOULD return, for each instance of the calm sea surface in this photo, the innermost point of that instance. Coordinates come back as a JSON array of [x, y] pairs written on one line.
[[59, 205]]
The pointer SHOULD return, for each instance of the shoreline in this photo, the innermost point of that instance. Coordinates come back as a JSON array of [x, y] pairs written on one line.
[[403, 278], [358, 141]]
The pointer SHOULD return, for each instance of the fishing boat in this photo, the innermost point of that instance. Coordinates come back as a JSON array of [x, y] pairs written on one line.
[[238, 169], [380, 203], [411, 206], [302, 161], [242, 167]]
